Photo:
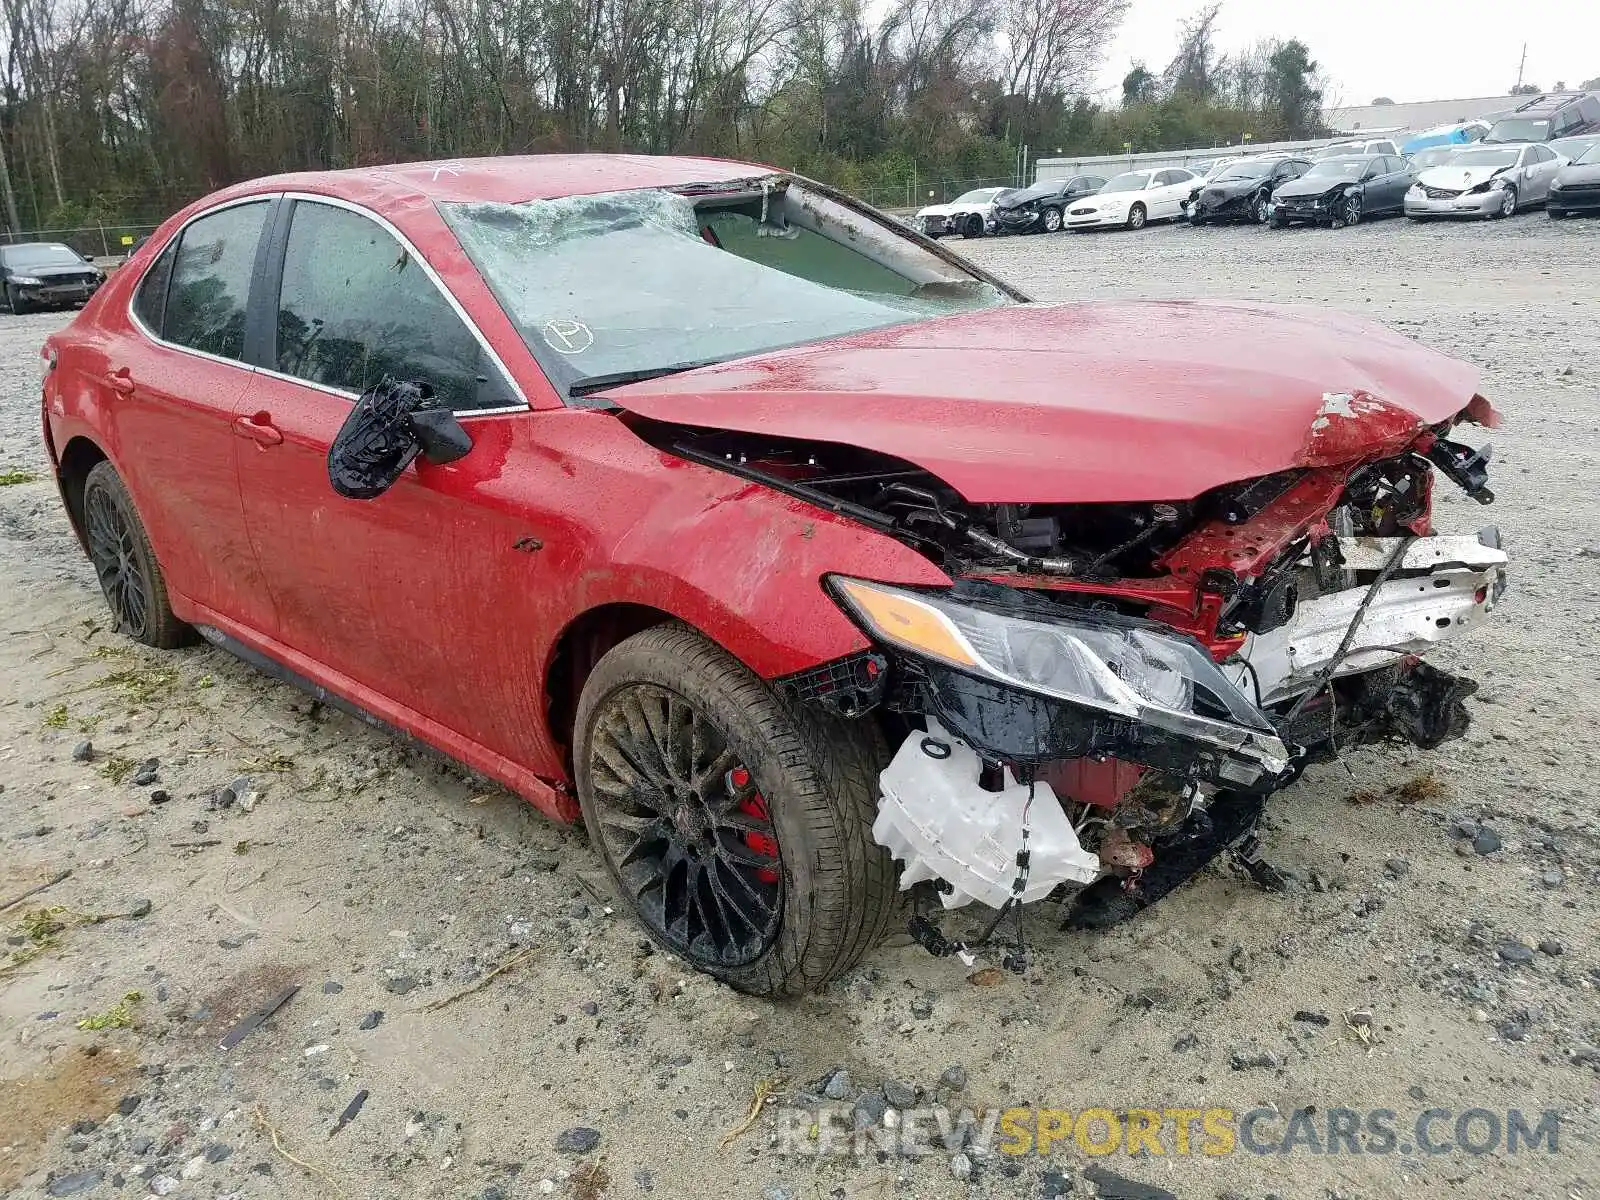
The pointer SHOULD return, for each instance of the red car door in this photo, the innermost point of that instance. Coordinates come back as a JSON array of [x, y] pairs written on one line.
[[175, 382], [403, 596]]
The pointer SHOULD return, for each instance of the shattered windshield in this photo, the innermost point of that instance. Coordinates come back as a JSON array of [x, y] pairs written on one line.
[[626, 285]]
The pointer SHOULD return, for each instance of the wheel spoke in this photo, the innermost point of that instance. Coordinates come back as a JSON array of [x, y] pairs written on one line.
[[736, 850], [666, 810], [742, 822]]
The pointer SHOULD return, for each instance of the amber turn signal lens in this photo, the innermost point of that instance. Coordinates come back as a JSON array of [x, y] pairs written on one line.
[[908, 622]]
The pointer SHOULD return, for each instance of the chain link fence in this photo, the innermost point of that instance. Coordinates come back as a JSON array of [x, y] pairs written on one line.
[[913, 193], [91, 241]]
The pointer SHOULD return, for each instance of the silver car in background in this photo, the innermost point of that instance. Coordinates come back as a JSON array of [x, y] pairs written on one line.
[[1485, 181]]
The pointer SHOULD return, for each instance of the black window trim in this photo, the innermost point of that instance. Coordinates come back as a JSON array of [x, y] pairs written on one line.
[[175, 243], [275, 248]]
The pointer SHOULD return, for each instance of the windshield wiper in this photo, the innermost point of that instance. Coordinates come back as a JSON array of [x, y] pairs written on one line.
[[597, 383]]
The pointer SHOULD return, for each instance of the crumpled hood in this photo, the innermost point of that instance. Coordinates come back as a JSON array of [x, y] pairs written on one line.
[[1456, 178], [1104, 401], [1230, 189]]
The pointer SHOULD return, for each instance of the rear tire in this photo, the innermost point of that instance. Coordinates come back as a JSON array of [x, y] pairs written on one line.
[[125, 563], [658, 820], [1137, 217]]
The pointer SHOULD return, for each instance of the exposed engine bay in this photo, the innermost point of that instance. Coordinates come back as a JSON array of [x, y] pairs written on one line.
[[1100, 703]]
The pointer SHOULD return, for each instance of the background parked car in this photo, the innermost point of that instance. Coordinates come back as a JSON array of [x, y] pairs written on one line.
[[1485, 181], [1342, 191], [40, 274], [1545, 118], [1133, 199], [1461, 134], [1576, 187], [1206, 170], [1038, 209], [1345, 149], [1575, 147], [970, 214], [1243, 191]]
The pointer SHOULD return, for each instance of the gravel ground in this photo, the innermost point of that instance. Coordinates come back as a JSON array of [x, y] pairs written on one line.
[[1438, 946]]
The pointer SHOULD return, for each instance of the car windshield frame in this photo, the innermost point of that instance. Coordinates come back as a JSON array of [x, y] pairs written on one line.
[[1142, 177], [1250, 168], [980, 195], [1347, 169], [1540, 125], [29, 256], [1476, 156], [620, 286]]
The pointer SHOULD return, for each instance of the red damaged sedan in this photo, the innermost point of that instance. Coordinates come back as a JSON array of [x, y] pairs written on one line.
[[808, 562]]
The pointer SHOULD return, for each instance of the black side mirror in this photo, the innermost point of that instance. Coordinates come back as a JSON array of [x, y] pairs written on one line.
[[385, 431]]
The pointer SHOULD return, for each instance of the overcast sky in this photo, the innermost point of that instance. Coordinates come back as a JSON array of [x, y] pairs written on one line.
[[1403, 49]]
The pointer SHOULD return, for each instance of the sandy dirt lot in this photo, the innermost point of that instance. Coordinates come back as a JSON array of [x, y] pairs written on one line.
[[1438, 948]]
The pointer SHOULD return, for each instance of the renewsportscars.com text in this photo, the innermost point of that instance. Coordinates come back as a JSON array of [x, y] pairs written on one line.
[[838, 1130]]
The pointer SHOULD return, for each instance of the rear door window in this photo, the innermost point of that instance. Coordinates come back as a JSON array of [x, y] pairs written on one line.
[[355, 307], [210, 284]]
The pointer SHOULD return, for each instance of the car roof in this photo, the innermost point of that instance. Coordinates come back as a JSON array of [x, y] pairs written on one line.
[[1540, 105], [509, 179]]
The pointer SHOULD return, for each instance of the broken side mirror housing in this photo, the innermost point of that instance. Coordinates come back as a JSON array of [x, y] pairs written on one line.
[[440, 435], [388, 427]]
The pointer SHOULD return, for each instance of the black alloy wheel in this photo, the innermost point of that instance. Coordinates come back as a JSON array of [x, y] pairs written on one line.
[[124, 562], [972, 226], [1350, 210], [735, 822], [111, 550], [685, 826]]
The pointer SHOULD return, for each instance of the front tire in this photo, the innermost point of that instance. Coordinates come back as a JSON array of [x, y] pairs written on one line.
[[125, 563], [1349, 213], [736, 826], [1259, 210], [1508, 205], [15, 305], [972, 226], [1137, 217], [1050, 219]]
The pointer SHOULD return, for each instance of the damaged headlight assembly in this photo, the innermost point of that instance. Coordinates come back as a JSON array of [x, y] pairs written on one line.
[[1119, 666]]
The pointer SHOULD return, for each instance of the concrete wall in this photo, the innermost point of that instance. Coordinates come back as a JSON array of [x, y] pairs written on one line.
[[1111, 164]]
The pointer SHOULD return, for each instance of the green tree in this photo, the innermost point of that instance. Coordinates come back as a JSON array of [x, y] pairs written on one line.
[[1291, 99]]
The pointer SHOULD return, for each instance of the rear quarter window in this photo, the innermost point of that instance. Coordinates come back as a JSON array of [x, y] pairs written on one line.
[[150, 301]]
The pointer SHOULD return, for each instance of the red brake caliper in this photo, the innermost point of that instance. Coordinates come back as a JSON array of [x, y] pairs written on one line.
[[755, 805]]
